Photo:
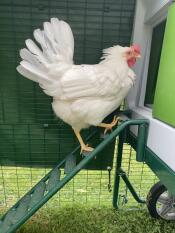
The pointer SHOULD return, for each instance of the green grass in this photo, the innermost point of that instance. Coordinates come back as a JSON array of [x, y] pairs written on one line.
[[84, 219]]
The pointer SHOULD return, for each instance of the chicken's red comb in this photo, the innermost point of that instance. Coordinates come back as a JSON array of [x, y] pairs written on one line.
[[136, 48]]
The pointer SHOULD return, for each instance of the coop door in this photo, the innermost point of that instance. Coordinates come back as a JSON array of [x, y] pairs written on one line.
[[164, 101]]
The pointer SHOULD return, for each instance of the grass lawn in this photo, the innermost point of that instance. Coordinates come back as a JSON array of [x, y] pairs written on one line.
[[84, 219]]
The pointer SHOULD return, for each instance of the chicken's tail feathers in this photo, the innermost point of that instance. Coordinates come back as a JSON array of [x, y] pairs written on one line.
[[56, 40], [49, 61], [33, 73]]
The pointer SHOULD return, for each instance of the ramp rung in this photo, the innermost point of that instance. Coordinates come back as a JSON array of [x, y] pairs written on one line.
[[70, 163], [38, 194], [7, 221], [53, 179], [21, 209]]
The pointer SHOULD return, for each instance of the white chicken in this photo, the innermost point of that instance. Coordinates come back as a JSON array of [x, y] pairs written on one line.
[[83, 95]]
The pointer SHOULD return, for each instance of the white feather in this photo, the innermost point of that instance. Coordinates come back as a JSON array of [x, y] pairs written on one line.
[[39, 36], [64, 37], [31, 58], [32, 47], [37, 74]]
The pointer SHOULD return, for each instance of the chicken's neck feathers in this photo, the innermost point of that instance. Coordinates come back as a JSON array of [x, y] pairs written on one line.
[[113, 58]]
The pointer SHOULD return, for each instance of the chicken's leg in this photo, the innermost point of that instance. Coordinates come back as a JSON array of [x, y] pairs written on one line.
[[84, 148], [111, 125]]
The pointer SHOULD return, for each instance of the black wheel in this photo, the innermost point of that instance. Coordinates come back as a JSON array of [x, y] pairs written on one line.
[[160, 203]]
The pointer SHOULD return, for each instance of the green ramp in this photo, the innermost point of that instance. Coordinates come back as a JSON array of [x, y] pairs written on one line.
[[51, 183]]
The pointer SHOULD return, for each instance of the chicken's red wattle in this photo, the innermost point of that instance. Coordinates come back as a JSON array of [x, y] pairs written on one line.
[[131, 62]]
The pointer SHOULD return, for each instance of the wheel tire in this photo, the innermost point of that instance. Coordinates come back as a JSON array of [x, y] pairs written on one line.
[[152, 198]]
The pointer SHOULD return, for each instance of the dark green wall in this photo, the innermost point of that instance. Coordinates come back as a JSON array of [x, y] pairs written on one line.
[[156, 48], [29, 131]]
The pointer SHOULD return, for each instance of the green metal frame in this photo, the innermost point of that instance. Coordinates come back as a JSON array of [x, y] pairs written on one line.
[[143, 154], [55, 184], [140, 155]]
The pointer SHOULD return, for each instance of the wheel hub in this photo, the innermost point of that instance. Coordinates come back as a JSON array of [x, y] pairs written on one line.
[[166, 206]]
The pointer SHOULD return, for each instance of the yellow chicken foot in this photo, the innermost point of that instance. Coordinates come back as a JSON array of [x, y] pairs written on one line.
[[111, 125], [84, 148]]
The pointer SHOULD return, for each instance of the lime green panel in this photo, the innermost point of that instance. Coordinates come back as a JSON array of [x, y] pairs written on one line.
[[164, 102]]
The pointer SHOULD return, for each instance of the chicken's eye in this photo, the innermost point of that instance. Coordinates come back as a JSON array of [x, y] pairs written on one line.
[[129, 53]]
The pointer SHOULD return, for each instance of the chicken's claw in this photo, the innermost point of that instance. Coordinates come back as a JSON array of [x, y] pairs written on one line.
[[111, 125], [86, 149]]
